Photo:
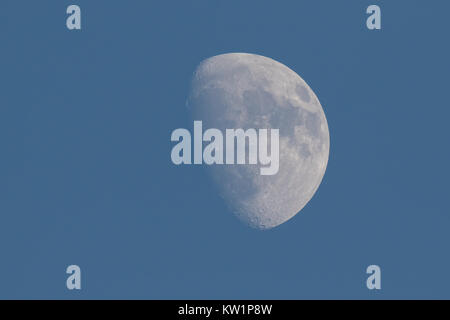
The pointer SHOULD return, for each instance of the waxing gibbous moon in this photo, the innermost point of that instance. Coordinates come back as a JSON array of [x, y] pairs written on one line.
[[240, 90]]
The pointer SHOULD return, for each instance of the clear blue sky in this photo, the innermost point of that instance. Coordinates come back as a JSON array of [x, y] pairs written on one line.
[[86, 176]]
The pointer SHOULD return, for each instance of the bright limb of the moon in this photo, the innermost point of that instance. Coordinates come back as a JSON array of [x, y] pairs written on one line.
[[239, 90]]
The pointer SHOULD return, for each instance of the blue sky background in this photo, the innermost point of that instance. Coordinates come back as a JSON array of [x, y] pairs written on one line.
[[86, 176]]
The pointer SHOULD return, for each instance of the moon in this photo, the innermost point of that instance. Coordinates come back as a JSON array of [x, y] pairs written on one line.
[[241, 90]]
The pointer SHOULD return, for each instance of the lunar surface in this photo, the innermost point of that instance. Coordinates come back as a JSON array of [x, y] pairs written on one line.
[[239, 90]]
